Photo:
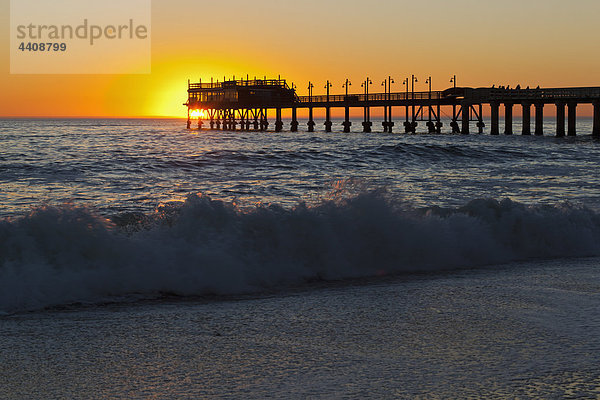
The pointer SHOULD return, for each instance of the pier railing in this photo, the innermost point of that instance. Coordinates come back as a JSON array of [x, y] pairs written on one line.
[[357, 98], [250, 82], [545, 95]]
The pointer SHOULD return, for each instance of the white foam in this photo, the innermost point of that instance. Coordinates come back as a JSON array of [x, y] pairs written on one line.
[[60, 255]]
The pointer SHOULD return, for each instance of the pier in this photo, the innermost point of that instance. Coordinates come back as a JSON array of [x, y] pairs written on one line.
[[245, 105]]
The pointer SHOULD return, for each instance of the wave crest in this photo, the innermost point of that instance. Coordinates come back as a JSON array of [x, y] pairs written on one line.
[[60, 255]]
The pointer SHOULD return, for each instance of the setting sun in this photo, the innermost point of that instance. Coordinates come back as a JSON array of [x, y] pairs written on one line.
[[197, 114]]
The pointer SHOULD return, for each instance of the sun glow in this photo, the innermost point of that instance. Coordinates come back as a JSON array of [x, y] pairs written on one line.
[[198, 114]]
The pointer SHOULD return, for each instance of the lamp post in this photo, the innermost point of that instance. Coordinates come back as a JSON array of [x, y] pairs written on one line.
[[367, 121], [346, 122], [389, 86], [366, 84], [327, 110], [430, 124], [385, 116], [345, 85], [327, 86], [414, 123], [453, 80], [429, 82], [454, 122], [414, 80], [311, 123], [405, 82]]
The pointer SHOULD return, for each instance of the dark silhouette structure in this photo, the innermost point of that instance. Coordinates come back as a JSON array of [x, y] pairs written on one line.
[[244, 104]]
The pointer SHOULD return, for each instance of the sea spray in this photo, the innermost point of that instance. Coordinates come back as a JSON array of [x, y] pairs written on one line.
[[66, 254]]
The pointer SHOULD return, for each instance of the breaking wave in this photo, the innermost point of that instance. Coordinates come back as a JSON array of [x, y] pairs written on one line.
[[67, 254]]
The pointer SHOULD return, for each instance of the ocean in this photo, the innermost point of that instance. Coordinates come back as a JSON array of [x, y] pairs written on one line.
[[139, 259]]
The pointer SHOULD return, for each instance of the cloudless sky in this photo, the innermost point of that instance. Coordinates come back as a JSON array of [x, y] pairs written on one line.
[[529, 42]]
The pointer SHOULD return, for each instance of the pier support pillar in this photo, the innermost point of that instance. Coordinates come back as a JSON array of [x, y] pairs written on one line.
[[430, 127], [454, 122], [508, 118], [367, 124], [240, 119], [200, 124], [390, 122], [232, 121], [311, 122], [438, 122], [278, 121], [264, 123], [572, 121], [539, 119], [454, 126], [347, 122], [596, 128], [560, 118], [480, 123], [247, 120], [385, 119], [327, 119], [526, 118], [294, 124], [466, 114], [255, 123]]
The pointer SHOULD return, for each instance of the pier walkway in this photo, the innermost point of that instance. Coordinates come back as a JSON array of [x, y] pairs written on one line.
[[244, 105]]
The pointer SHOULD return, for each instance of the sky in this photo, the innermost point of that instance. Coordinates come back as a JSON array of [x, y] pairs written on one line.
[[549, 43]]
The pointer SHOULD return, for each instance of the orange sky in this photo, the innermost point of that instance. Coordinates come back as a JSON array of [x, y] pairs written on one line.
[[533, 42]]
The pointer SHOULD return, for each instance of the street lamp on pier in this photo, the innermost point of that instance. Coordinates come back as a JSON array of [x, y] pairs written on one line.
[[366, 84], [327, 86], [453, 80], [345, 85], [429, 82]]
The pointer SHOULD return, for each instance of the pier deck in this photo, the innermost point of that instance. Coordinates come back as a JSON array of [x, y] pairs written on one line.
[[244, 104]]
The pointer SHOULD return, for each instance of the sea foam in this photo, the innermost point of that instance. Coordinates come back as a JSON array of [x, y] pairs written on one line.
[[66, 254]]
